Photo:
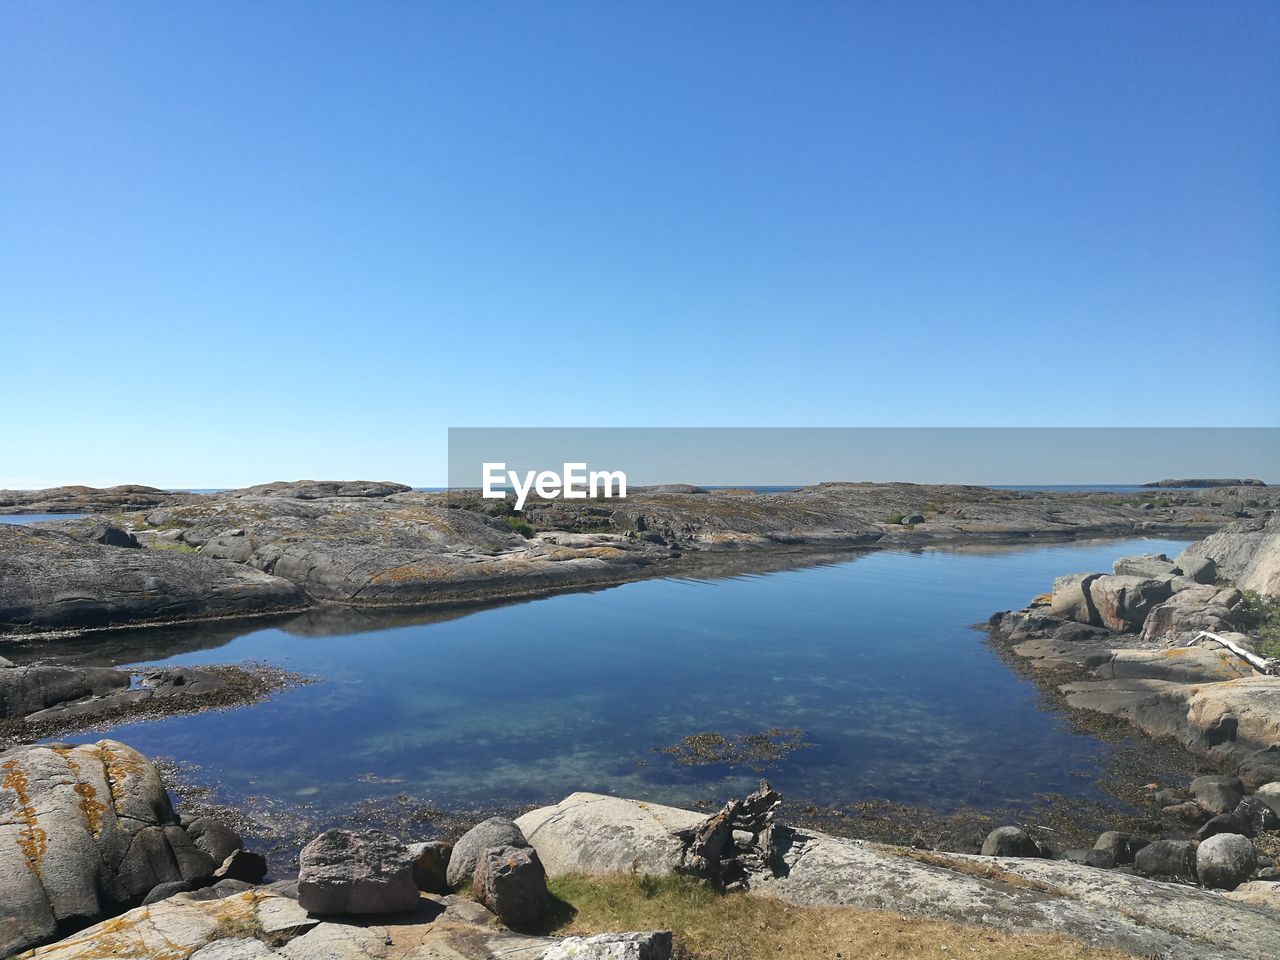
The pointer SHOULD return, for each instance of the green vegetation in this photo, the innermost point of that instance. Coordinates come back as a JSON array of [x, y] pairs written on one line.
[[1261, 618], [174, 545], [519, 525], [741, 926], [896, 518]]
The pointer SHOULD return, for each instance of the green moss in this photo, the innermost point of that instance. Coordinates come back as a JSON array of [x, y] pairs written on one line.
[[520, 526], [173, 545], [1260, 617]]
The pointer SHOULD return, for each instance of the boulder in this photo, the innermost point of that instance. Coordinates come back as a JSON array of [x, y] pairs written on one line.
[[431, 866], [1174, 859], [1225, 861], [1269, 793], [1149, 566], [356, 872], [1258, 814], [110, 536], [1122, 603], [1225, 823], [1079, 633], [166, 890], [84, 830], [494, 832], [214, 837], [1010, 842], [1217, 794], [1102, 859], [511, 882], [1121, 846], [1188, 811], [1199, 569], [1071, 599], [244, 866]]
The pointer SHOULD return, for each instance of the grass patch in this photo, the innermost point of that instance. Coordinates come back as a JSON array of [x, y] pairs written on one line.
[[738, 926], [174, 546], [520, 526], [896, 518], [1260, 616]]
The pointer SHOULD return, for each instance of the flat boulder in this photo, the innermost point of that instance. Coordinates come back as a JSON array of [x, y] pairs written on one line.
[[494, 832], [1225, 861], [1010, 842], [511, 882], [1147, 566], [30, 689], [356, 872]]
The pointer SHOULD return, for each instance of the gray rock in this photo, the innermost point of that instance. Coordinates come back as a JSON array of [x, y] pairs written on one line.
[[431, 866], [236, 948], [1101, 859], [1148, 566], [1079, 633], [1269, 793], [1218, 794], [244, 866], [111, 536], [1071, 598], [166, 890], [1010, 842], [1175, 859], [49, 580], [511, 882], [1199, 569], [1188, 811], [1258, 814], [1122, 603], [1121, 846], [654, 945], [214, 837], [356, 872], [913, 519], [1225, 823], [1247, 552], [30, 689], [494, 832], [1225, 861]]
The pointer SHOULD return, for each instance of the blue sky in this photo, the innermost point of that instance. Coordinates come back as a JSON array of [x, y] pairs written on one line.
[[242, 241]]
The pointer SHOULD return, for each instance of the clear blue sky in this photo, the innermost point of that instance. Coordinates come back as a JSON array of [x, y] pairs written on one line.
[[250, 241]]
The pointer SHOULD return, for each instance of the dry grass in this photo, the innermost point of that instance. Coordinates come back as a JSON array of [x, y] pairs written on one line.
[[738, 926]]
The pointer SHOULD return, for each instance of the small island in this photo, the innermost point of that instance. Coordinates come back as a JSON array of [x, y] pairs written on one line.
[[1203, 484]]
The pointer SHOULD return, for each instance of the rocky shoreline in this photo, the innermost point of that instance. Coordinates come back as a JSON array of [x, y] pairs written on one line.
[[148, 557]]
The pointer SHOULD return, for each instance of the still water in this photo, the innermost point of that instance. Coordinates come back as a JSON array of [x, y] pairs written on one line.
[[873, 658]]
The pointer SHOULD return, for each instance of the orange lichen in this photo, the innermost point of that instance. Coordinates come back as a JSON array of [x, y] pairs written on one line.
[[32, 839]]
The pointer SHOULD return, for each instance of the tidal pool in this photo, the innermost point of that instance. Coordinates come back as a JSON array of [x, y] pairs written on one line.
[[873, 658]]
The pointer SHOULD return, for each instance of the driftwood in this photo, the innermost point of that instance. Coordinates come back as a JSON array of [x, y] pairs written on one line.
[[712, 852], [1267, 665]]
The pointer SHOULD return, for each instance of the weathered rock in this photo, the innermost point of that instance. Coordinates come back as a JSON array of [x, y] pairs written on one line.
[[1122, 603], [1188, 811], [166, 890], [356, 872], [1199, 569], [1258, 814], [244, 866], [214, 837], [511, 882], [1101, 859], [494, 832], [1179, 665], [27, 690], [1010, 842], [1269, 793], [1217, 794], [1225, 823], [1122, 847], [111, 536], [1175, 859], [1247, 552], [50, 580], [1258, 894], [1079, 633], [1225, 861], [83, 831], [431, 865], [1149, 566], [1071, 598], [654, 945]]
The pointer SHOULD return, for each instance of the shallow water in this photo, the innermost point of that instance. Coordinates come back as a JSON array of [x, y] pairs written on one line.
[[873, 658], [37, 517]]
